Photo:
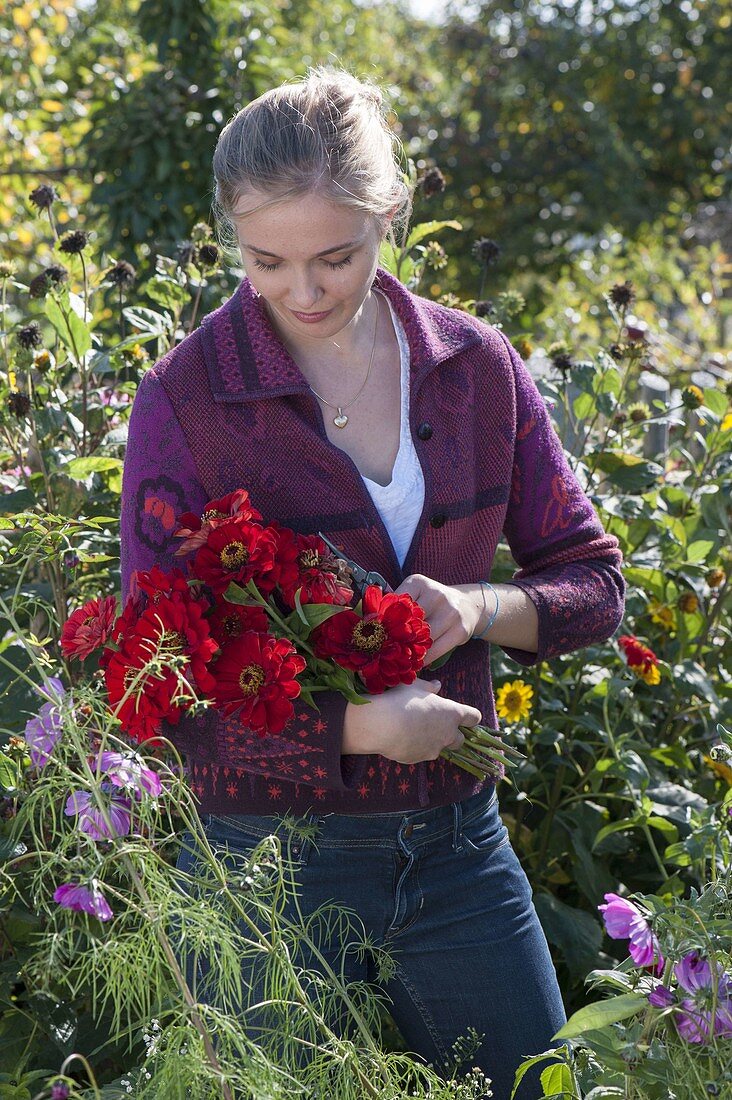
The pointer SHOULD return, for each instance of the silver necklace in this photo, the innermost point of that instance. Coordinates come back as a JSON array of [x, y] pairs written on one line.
[[340, 419]]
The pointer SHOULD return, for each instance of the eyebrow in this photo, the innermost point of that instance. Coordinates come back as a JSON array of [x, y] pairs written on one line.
[[325, 252]]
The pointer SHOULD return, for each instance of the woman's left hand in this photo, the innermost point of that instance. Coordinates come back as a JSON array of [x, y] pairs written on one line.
[[453, 612]]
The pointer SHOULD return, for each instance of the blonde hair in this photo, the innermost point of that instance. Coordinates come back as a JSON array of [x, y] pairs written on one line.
[[327, 132]]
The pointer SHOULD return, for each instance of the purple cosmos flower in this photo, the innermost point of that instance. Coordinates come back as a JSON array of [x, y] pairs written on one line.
[[59, 1091], [127, 770], [660, 997], [43, 731], [694, 1020], [84, 899], [624, 920], [91, 820]]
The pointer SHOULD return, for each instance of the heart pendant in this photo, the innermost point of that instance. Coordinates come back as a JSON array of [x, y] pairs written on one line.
[[341, 420]]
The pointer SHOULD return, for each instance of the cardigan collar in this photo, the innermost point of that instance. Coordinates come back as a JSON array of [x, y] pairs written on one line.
[[246, 360]]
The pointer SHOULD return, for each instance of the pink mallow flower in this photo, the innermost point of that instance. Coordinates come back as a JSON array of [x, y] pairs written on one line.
[[127, 770], [84, 899], [91, 820], [89, 627], [624, 920]]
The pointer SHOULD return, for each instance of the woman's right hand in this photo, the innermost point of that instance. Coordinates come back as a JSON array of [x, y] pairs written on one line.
[[407, 723]]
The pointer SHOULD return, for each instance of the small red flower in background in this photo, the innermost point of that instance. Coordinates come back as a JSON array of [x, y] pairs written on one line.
[[155, 583], [640, 658], [231, 620], [386, 645], [255, 679], [237, 551], [305, 562], [194, 529], [89, 627]]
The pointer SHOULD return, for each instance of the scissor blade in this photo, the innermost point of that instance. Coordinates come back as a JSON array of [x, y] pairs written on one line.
[[359, 574]]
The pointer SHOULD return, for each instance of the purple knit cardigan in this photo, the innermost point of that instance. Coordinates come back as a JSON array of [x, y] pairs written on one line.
[[228, 408]]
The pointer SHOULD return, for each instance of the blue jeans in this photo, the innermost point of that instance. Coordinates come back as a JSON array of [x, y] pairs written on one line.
[[443, 891]]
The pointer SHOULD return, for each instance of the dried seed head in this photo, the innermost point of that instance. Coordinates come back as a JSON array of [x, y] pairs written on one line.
[[688, 603], [43, 196], [29, 336], [208, 255], [715, 578], [484, 308], [622, 294], [19, 403], [431, 183], [486, 251], [39, 286], [74, 242], [122, 275]]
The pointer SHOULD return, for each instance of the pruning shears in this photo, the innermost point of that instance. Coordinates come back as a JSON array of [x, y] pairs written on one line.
[[362, 577]]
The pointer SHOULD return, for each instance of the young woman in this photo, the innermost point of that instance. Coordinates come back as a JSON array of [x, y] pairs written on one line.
[[412, 436]]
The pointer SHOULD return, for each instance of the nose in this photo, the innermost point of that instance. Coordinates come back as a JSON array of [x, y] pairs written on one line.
[[304, 291]]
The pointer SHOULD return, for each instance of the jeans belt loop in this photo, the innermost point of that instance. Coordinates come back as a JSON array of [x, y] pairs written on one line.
[[457, 832]]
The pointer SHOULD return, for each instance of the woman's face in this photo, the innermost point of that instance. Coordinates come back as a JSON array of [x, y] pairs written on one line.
[[312, 260]]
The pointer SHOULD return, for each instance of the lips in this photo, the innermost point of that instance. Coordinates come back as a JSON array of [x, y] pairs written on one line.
[[311, 318]]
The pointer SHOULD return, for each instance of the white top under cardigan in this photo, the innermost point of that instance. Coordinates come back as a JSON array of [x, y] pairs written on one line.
[[400, 502]]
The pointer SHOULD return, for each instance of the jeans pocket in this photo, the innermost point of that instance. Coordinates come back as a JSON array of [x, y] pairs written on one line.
[[237, 837], [483, 830]]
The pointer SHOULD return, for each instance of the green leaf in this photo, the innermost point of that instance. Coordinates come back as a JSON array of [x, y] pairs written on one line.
[[81, 468], [528, 1064], [699, 550], [428, 229], [616, 827], [74, 334], [574, 931], [557, 1081], [316, 613], [148, 320], [602, 1014], [628, 471], [716, 401], [9, 773], [583, 406], [166, 291], [663, 825]]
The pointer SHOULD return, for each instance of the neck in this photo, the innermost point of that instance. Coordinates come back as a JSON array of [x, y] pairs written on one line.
[[350, 345]]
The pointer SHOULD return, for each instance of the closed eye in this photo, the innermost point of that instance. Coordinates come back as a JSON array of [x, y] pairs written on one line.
[[334, 266]]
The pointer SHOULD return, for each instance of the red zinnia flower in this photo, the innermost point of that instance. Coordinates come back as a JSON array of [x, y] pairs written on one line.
[[231, 620], [89, 627], [640, 658], [194, 529], [172, 626], [255, 676], [309, 565], [386, 646], [237, 551], [155, 583]]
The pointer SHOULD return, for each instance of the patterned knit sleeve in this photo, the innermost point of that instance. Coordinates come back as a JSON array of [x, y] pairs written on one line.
[[160, 481], [569, 567]]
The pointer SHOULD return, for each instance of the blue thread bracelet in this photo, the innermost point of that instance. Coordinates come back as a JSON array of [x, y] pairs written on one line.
[[481, 637]]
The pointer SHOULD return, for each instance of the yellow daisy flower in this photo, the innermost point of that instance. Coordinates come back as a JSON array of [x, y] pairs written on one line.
[[727, 422], [513, 701]]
